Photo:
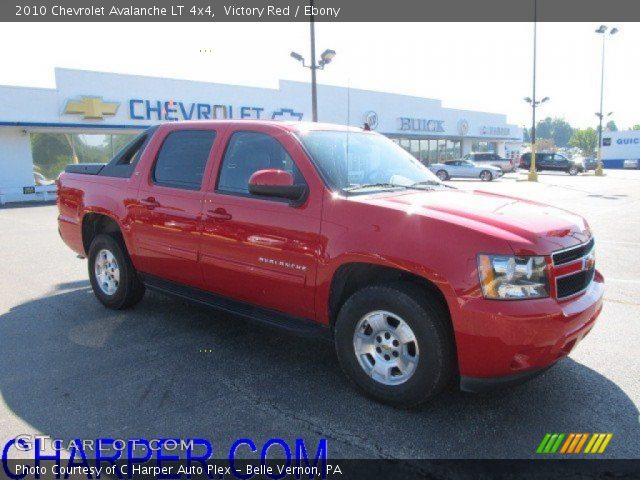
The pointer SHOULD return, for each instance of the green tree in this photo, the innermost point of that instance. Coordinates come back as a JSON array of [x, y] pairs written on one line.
[[119, 141], [586, 140], [611, 126], [636, 127], [556, 129], [50, 152]]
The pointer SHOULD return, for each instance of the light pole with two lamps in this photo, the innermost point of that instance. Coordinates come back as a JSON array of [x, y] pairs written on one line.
[[602, 30], [325, 59], [533, 175]]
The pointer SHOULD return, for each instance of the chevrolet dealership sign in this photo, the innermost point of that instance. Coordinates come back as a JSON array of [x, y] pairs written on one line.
[[94, 108], [91, 107]]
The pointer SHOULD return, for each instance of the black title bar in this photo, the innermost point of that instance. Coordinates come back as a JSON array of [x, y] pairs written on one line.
[[323, 10]]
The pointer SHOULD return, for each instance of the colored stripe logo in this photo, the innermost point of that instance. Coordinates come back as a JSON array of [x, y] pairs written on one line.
[[574, 443]]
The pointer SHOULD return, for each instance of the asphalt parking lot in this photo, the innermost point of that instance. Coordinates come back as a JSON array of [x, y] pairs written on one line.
[[72, 369]]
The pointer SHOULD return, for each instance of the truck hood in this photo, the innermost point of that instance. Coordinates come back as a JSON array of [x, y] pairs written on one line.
[[529, 227]]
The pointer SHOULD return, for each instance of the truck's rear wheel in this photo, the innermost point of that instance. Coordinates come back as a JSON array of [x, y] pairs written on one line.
[[393, 341], [113, 278]]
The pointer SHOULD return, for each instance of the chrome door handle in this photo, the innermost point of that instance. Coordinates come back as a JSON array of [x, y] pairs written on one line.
[[149, 202], [219, 214]]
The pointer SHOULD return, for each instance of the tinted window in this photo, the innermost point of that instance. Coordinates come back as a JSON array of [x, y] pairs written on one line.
[[123, 164], [183, 158], [248, 152]]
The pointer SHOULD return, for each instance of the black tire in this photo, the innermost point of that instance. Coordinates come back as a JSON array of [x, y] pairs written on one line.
[[486, 176], [573, 171], [442, 175], [429, 321], [130, 289]]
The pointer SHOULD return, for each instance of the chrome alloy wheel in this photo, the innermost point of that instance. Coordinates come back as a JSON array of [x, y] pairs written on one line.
[[386, 347], [107, 272], [486, 176]]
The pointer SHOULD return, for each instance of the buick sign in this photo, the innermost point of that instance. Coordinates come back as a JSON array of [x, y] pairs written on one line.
[[421, 125]]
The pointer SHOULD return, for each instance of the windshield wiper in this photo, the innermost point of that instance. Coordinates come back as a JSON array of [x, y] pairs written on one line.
[[430, 183], [374, 185]]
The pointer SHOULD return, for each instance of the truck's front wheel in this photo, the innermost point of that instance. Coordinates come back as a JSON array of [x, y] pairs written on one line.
[[113, 278], [394, 342]]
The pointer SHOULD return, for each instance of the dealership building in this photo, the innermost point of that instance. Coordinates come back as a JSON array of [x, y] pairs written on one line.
[[88, 115], [620, 146]]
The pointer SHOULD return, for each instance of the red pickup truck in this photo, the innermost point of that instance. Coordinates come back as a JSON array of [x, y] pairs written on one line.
[[337, 231]]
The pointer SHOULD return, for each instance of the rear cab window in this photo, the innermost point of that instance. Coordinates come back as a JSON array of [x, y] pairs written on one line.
[[124, 162]]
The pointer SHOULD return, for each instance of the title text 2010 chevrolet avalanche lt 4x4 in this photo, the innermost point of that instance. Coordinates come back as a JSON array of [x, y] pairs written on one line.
[[337, 230]]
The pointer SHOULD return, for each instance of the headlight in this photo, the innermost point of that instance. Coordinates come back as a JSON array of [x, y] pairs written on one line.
[[504, 277]]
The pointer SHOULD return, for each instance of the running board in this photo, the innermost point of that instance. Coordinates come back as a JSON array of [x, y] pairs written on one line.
[[297, 326]]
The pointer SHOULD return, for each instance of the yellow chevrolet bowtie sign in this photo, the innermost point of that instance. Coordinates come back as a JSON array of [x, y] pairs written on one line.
[[91, 107]]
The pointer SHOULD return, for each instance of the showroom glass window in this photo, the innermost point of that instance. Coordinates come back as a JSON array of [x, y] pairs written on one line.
[[51, 152], [183, 158]]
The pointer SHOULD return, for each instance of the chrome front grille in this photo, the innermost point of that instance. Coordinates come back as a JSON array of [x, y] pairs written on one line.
[[575, 282], [572, 254]]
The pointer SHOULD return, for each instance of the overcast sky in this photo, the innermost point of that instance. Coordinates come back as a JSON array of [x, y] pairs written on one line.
[[474, 66]]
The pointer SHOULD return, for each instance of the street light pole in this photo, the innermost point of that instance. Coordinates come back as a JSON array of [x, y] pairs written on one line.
[[314, 87], [325, 59], [602, 30], [533, 175]]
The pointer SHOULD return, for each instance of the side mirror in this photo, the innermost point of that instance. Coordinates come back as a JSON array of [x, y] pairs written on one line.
[[276, 183]]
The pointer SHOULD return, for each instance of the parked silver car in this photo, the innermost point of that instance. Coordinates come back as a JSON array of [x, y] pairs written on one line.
[[486, 158], [590, 163], [465, 169]]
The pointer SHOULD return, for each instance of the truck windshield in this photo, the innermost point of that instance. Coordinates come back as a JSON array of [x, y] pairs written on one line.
[[362, 162]]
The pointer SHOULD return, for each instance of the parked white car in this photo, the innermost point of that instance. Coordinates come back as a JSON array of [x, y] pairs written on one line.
[[465, 169]]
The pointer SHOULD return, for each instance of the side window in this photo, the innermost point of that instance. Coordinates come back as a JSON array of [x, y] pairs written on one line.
[[183, 158], [123, 164], [248, 152]]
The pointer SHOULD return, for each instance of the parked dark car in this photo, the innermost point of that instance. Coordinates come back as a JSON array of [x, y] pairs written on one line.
[[552, 162]]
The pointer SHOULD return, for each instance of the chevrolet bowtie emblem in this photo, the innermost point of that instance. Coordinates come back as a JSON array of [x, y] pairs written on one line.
[[91, 107]]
